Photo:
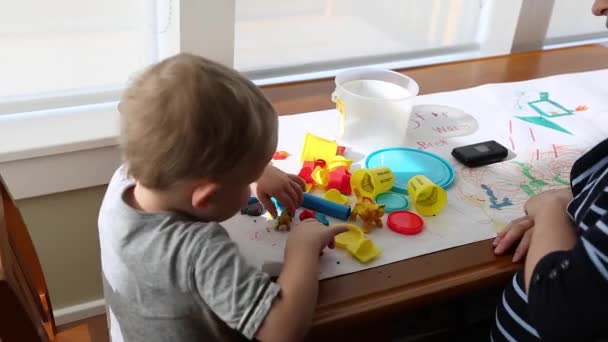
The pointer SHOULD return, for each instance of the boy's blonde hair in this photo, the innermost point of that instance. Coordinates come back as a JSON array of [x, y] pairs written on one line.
[[188, 117]]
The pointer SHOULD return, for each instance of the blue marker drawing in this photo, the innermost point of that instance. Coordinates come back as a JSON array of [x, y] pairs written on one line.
[[493, 199]]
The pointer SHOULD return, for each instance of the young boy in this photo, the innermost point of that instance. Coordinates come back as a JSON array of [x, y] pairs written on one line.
[[562, 292], [195, 135]]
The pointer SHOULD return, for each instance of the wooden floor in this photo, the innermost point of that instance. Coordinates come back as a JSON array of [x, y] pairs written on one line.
[[94, 329]]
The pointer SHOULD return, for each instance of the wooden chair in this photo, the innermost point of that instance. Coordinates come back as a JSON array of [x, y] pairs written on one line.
[[25, 307]]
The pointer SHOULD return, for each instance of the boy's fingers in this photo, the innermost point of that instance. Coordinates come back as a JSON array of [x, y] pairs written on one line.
[[522, 248], [298, 180], [337, 229], [296, 195], [299, 193], [267, 203], [287, 198]]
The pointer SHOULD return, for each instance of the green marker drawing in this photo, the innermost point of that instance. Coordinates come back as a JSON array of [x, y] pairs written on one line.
[[528, 190], [525, 169], [538, 183], [546, 107], [559, 180], [534, 185], [539, 120]]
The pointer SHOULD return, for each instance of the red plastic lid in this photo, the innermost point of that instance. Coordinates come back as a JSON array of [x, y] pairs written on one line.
[[405, 222]]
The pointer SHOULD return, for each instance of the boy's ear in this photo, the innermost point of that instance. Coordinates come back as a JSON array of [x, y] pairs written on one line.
[[203, 192]]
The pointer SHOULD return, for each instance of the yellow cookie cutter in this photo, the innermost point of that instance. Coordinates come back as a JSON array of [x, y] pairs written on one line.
[[335, 196]]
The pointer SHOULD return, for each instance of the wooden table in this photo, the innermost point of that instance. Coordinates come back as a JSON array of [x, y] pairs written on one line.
[[373, 294]]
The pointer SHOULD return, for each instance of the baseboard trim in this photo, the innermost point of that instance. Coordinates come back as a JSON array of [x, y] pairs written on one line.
[[80, 311]]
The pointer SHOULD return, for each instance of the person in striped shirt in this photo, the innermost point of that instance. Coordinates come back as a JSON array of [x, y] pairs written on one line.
[[562, 292]]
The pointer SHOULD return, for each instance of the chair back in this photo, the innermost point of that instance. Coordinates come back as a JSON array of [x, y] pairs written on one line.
[[26, 313]]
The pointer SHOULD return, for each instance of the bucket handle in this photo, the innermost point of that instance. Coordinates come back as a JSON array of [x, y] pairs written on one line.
[[341, 108]]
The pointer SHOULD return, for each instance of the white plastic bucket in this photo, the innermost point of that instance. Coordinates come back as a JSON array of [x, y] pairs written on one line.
[[375, 106]]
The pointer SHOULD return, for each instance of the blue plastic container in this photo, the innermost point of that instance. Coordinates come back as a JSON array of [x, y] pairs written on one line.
[[408, 162]]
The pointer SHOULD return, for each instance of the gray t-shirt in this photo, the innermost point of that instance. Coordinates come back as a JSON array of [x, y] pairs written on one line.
[[168, 277]]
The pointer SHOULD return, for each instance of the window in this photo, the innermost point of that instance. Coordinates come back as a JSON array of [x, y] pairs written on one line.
[[63, 63], [571, 20], [64, 53], [306, 35], [70, 52]]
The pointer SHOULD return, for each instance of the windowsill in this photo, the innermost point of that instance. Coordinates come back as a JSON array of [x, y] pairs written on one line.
[[86, 127], [58, 150]]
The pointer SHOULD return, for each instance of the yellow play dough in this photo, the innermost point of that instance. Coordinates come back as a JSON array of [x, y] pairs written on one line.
[[355, 242], [349, 237]]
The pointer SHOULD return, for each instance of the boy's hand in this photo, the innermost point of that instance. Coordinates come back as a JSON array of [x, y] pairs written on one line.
[[292, 311], [311, 237], [517, 231], [556, 199], [288, 189]]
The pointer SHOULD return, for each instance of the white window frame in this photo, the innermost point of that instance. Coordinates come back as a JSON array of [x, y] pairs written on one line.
[[74, 145], [495, 37], [203, 28], [84, 96]]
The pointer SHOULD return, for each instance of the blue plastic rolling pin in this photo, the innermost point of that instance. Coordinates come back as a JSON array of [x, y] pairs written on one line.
[[326, 207]]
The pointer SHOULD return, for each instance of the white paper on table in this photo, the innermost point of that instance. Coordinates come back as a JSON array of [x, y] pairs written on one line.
[[542, 161]]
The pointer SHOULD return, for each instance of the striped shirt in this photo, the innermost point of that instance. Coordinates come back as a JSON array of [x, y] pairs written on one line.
[[568, 295]]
